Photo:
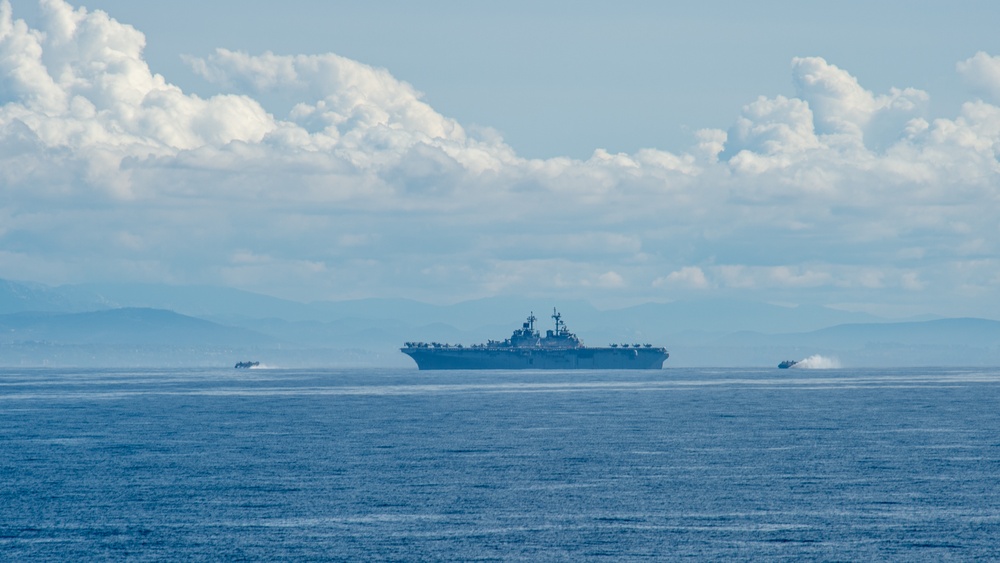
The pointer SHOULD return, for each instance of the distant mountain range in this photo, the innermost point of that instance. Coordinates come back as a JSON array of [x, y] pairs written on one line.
[[126, 326], [142, 324], [224, 303]]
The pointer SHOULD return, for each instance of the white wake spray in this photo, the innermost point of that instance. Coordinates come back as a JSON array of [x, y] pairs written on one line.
[[817, 362]]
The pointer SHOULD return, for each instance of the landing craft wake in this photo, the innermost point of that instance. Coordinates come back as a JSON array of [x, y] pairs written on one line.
[[526, 349], [812, 362]]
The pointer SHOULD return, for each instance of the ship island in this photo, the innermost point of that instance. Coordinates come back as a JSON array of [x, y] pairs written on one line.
[[527, 349]]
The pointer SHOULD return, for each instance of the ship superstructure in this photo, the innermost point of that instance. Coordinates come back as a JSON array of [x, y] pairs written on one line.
[[527, 349]]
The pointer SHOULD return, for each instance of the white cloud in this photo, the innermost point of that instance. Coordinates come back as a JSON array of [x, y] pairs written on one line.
[[359, 111], [911, 281], [610, 280], [80, 90], [842, 107], [354, 185], [832, 113], [691, 277], [982, 73]]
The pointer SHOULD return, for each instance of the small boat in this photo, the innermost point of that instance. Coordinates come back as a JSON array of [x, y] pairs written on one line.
[[246, 365], [787, 364]]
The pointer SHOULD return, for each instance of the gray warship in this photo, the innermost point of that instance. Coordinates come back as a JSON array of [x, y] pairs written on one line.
[[526, 349]]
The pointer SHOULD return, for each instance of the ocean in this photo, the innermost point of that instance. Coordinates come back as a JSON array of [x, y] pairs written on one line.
[[342, 464]]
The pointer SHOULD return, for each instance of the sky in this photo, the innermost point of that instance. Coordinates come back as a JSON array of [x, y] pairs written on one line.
[[842, 155]]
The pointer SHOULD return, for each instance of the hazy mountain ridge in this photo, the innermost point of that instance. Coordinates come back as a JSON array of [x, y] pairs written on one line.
[[225, 304], [957, 341], [126, 326], [152, 322], [26, 296]]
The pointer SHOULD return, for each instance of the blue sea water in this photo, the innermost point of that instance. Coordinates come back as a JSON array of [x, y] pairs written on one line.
[[834, 465]]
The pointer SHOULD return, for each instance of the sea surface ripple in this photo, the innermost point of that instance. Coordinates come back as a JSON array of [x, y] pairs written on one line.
[[370, 464]]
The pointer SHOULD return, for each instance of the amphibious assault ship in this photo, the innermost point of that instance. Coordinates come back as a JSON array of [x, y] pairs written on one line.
[[526, 349]]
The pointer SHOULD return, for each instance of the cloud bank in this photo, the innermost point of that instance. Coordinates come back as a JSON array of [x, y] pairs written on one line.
[[838, 195]]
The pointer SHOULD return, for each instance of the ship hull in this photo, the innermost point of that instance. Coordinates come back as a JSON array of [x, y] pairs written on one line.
[[512, 358]]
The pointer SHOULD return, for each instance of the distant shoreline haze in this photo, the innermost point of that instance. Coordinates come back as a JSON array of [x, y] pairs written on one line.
[[161, 325]]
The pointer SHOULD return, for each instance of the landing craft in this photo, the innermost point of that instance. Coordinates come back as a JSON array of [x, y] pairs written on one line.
[[526, 349]]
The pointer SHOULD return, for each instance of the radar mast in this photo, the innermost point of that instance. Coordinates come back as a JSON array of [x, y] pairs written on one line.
[[560, 325]]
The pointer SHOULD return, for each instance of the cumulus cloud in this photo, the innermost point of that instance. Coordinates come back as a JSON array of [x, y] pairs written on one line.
[[332, 91], [832, 113], [81, 89], [982, 73], [688, 276], [775, 126], [842, 107], [610, 280], [354, 185]]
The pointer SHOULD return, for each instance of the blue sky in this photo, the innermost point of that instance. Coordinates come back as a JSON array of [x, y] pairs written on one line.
[[841, 155]]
